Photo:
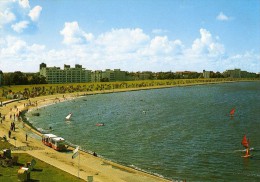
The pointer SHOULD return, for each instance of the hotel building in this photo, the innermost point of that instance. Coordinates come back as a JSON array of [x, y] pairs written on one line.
[[67, 75], [79, 74]]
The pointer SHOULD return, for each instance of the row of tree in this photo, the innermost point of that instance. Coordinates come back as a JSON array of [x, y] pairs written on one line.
[[19, 78]]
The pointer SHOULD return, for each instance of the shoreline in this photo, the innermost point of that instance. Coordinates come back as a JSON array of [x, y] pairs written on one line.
[[101, 169], [117, 171]]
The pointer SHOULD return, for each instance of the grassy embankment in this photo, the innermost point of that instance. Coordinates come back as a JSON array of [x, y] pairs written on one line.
[[51, 89], [42, 171]]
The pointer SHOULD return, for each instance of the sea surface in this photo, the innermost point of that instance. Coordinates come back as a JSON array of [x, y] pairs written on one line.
[[178, 133]]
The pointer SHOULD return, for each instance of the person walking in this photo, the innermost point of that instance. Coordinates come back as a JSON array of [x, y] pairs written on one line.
[[26, 136], [9, 134], [11, 127]]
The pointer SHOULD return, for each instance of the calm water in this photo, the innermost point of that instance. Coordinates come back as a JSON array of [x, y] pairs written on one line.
[[179, 133]]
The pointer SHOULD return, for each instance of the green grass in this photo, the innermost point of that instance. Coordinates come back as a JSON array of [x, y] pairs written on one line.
[[42, 171], [4, 145], [50, 89]]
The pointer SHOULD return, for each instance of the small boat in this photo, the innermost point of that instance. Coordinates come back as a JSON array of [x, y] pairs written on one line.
[[100, 124], [68, 117]]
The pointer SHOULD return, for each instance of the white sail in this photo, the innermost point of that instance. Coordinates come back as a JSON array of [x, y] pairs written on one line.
[[69, 116]]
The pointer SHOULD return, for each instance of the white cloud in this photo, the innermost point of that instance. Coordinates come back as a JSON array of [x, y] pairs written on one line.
[[206, 45], [72, 34], [122, 40], [36, 48], [161, 45], [19, 13], [159, 31], [24, 3], [127, 49], [20, 26], [6, 17], [15, 46], [35, 13], [222, 17], [15, 53]]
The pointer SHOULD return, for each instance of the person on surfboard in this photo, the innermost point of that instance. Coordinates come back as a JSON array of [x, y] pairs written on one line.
[[245, 143], [247, 152]]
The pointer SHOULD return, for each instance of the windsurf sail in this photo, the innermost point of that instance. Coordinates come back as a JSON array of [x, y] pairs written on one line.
[[245, 142], [232, 112], [69, 116]]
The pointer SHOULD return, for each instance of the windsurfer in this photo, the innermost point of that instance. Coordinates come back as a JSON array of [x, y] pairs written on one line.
[[232, 112], [245, 143], [247, 152]]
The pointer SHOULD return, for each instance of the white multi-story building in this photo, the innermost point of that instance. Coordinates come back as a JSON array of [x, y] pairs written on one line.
[[67, 75], [108, 75], [96, 76], [114, 75]]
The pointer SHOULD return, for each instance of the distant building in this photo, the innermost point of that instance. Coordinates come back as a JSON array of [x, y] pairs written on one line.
[[245, 74], [206, 74], [145, 75], [67, 75], [185, 74], [96, 76], [120, 75], [237, 73], [108, 75], [1, 78]]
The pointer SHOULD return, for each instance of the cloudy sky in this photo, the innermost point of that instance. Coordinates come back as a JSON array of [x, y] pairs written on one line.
[[132, 35]]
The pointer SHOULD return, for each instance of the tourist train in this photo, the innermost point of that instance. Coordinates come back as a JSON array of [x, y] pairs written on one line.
[[53, 141]]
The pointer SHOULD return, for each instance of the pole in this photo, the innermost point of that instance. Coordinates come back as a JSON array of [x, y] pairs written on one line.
[[78, 163]]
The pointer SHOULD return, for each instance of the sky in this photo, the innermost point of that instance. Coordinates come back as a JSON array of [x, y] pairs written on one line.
[[131, 35]]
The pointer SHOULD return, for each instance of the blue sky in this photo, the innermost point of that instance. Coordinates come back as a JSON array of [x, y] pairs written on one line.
[[132, 35]]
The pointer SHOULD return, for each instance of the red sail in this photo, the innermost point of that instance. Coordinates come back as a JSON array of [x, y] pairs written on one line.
[[245, 142], [232, 112]]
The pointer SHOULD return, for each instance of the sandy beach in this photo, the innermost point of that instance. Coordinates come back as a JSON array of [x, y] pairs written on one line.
[[101, 169]]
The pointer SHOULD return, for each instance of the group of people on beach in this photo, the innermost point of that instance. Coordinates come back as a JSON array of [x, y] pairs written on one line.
[[12, 127], [2, 118]]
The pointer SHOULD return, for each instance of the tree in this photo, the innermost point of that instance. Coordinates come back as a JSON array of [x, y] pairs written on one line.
[[19, 78], [37, 79]]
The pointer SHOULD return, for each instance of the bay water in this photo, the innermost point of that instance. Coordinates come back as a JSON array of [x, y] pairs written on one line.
[[177, 133]]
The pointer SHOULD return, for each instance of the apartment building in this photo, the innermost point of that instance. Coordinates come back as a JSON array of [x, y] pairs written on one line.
[[96, 76], [66, 75], [108, 75], [206, 74], [236, 73]]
